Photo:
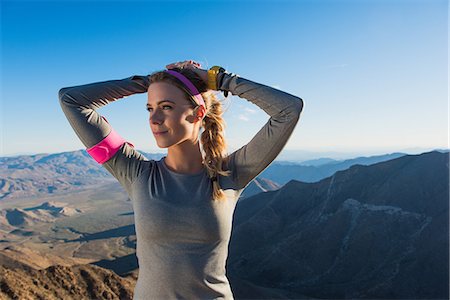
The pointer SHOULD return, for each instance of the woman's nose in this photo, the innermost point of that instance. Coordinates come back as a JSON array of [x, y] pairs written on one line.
[[156, 118]]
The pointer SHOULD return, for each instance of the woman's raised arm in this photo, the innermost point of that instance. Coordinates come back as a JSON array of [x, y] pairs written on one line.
[[284, 110], [79, 104]]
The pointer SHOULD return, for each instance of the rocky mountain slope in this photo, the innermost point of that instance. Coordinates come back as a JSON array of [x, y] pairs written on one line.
[[20, 281], [378, 231]]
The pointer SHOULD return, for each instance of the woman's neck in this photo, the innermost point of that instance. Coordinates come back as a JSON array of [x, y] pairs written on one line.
[[184, 159]]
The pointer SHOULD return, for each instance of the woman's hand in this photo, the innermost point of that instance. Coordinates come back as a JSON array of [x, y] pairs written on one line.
[[190, 64]]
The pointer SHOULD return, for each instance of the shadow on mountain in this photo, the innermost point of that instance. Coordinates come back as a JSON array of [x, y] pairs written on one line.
[[121, 265], [123, 231], [130, 213]]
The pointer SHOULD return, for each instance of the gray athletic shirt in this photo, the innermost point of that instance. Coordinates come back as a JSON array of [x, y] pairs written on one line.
[[182, 234]]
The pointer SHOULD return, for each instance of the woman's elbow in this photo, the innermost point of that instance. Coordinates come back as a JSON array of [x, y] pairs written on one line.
[[299, 105], [65, 99], [62, 93], [292, 113]]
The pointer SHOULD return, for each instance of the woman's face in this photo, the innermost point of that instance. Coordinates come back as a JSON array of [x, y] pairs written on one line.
[[171, 115]]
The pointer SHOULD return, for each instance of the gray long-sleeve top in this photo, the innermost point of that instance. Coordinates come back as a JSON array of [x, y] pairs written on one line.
[[182, 234]]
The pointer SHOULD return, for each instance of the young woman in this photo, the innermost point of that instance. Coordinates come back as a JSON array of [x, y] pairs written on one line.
[[183, 204]]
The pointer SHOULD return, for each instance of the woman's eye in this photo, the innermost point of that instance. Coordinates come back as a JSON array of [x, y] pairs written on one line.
[[164, 107]]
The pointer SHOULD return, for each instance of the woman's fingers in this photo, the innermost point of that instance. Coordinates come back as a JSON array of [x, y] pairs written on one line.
[[184, 64]]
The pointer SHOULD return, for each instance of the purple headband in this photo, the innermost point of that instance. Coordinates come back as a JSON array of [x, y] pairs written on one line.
[[189, 85]]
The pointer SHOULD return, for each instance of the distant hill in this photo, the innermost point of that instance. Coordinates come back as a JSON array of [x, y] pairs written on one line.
[[316, 170], [56, 209], [360, 160], [378, 231], [43, 174], [318, 162], [25, 176], [47, 212]]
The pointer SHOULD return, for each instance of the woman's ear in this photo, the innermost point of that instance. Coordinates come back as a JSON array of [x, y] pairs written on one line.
[[200, 112]]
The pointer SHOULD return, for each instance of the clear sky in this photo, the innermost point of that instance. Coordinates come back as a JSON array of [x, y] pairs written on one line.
[[372, 74]]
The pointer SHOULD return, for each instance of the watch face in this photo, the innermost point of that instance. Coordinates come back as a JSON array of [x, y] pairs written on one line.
[[218, 69]]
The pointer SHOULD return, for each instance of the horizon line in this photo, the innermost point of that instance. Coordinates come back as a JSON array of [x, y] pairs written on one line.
[[304, 151]]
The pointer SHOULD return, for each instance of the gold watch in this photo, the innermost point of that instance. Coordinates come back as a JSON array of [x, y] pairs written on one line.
[[212, 77]]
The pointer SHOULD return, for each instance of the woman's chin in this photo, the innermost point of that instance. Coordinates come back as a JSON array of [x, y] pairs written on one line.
[[162, 146]]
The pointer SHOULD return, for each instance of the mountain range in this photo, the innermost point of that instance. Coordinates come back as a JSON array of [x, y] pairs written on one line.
[[67, 172], [369, 231]]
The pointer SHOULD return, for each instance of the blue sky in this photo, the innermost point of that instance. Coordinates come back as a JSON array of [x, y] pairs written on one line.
[[372, 74]]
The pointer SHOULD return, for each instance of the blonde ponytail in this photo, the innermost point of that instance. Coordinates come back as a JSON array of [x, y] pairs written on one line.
[[214, 144]]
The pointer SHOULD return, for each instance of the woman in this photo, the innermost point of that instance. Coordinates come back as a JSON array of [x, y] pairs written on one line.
[[183, 204]]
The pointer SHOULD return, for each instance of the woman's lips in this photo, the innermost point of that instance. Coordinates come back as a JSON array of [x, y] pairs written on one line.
[[159, 133]]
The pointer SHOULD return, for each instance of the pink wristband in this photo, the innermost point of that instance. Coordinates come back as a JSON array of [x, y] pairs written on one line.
[[106, 148]]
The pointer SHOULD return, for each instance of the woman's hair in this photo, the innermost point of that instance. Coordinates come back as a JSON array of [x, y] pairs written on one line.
[[212, 138]]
